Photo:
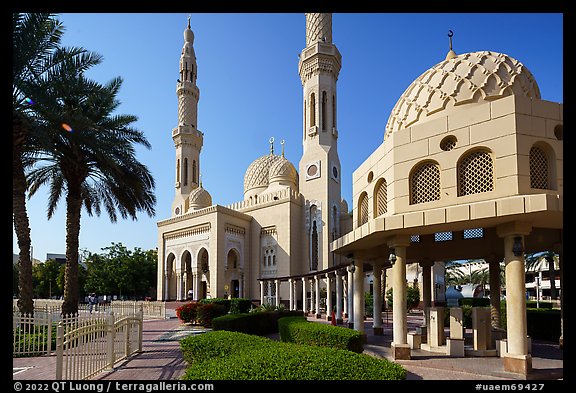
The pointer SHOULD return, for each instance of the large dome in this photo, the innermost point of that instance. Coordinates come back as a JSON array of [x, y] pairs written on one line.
[[467, 78], [282, 170], [257, 173]]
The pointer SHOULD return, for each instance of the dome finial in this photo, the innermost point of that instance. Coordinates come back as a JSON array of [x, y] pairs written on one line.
[[282, 143], [451, 54], [189, 16], [271, 145]]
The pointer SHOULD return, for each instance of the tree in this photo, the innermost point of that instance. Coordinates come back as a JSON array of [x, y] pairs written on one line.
[[36, 54], [120, 271], [412, 297], [92, 159]]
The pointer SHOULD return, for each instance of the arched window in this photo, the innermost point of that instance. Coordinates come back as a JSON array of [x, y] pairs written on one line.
[[312, 110], [425, 183], [194, 172], [185, 171], [539, 169], [324, 102], [305, 125], [314, 241], [380, 198], [363, 209], [334, 223], [475, 173], [314, 246], [333, 111], [178, 170]]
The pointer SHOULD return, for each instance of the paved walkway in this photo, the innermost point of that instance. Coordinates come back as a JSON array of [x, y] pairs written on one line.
[[162, 359]]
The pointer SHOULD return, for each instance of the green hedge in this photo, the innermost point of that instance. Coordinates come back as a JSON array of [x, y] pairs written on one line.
[[298, 330], [474, 301], [259, 323], [221, 355], [232, 306], [543, 324], [534, 304]]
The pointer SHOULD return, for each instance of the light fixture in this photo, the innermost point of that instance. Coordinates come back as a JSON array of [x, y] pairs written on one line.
[[517, 248], [352, 268], [392, 257]]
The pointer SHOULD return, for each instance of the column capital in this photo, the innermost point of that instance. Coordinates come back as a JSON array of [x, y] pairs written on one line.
[[398, 241], [514, 228]]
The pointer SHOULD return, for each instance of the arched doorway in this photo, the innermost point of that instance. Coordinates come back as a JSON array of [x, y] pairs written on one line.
[[170, 278], [203, 265], [187, 278], [233, 274]]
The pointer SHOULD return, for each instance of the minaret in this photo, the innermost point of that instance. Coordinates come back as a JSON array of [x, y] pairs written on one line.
[[319, 167], [187, 138]]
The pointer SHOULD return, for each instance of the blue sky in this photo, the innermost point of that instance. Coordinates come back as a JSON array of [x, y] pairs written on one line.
[[250, 90]]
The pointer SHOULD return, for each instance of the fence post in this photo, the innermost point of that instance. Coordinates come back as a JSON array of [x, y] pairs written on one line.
[[49, 323], [127, 336], [140, 328], [59, 350], [110, 341]]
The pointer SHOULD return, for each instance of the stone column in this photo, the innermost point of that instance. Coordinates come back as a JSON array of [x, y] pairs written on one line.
[[359, 302], [291, 290], [317, 297], [277, 282], [197, 284], [377, 324], [517, 358], [178, 285], [328, 298], [167, 274], [295, 294], [261, 292], [494, 278], [241, 286], [338, 297], [312, 298], [350, 296], [400, 347], [426, 297], [345, 294], [304, 295]]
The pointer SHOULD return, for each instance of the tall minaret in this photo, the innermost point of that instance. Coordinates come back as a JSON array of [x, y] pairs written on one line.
[[319, 166], [187, 138]]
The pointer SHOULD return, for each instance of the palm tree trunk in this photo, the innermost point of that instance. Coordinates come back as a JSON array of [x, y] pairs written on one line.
[[21, 222], [73, 209]]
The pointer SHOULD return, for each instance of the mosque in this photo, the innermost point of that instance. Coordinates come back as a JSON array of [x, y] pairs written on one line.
[[470, 167]]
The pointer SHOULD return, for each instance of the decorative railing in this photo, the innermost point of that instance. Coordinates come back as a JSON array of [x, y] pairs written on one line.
[[86, 347]]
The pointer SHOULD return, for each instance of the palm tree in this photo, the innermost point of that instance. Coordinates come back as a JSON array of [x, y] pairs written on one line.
[[90, 156], [36, 53], [533, 261]]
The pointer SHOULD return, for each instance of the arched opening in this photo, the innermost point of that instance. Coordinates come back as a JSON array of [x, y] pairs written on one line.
[[324, 103], [380, 198], [188, 288], [170, 278], [312, 110], [475, 173], [233, 274], [363, 209], [194, 172], [185, 171], [425, 183], [203, 266], [314, 242]]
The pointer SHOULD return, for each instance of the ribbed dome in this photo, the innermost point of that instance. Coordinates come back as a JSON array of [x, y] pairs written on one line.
[[199, 198], [282, 169], [257, 173], [467, 78]]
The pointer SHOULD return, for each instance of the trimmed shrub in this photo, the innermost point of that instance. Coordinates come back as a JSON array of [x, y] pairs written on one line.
[[236, 356], [187, 312], [232, 306], [259, 323], [534, 304], [543, 324], [201, 347], [298, 330]]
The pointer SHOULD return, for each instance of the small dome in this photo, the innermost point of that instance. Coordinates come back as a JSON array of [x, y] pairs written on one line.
[[458, 80], [257, 173], [282, 169], [343, 206], [199, 198]]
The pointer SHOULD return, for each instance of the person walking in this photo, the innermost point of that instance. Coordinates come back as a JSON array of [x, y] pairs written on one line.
[[92, 301]]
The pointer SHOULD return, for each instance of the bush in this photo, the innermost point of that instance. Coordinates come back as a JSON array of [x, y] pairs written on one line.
[[412, 297], [38, 338], [205, 313], [201, 347], [232, 306], [298, 330], [534, 304], [237, 356], [187, 312], [259, 323]]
